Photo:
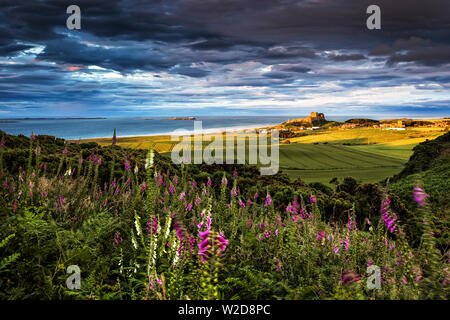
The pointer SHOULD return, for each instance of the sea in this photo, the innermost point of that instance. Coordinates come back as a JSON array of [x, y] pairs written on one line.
[[90, 128]]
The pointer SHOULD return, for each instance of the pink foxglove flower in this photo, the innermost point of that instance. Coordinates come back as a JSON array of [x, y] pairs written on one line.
[[208, 222], [350, 277], [346, 243], [117, 239], [61, 201], [419, 196], [127, 165], [210, 241], [268, 201], [387, 218]]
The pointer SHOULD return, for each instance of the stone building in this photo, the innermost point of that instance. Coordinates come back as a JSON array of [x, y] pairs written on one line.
[[314, 117]]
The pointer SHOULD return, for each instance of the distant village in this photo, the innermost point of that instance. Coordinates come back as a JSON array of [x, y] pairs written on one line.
[[317, 121]]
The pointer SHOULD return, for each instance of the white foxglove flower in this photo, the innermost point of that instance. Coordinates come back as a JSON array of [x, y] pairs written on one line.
[[136, 224], [166, 234], [149, 160], [175, 260]]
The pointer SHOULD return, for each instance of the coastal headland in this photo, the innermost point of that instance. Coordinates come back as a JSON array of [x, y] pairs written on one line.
[[316, 149]]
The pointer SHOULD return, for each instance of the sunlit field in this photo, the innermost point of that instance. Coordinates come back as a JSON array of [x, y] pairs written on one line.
[[322, 163], [369, 155], [369, 136]]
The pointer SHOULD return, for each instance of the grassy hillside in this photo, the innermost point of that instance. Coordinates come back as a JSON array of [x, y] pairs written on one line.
[[366, 175], [368, 155], [139, 227], [355, 136], [429, 168], [322, 162], [400, 151]]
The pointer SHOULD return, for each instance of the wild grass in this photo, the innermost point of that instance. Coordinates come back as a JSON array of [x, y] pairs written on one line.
[[159, 234], [369, 155]]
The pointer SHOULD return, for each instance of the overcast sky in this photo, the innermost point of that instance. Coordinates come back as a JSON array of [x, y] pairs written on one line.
[[224, 57]]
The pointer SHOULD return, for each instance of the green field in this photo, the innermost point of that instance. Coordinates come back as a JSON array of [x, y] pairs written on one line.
[[369, 175], [399, 151], [322, 162], [370, 136], [369, 155]]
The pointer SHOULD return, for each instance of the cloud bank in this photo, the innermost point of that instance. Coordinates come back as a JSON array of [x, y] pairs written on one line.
[[183, 57]]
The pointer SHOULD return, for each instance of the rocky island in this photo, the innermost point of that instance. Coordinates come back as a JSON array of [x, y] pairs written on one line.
[[185, 118]]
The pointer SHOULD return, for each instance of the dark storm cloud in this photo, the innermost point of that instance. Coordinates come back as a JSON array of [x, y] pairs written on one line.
[[411, 43], [273, 28], [36, 20], [347, 57], [12, 49], [292, 68], [277, 75], [281, 52], [381, 50], [191, 72], [328, 24], [271, 45], [122, 59], [416, 50], [213, 44], [32, 78], [429, 56]]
